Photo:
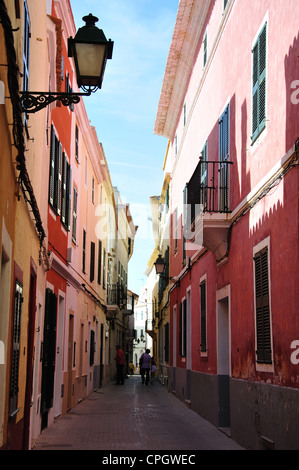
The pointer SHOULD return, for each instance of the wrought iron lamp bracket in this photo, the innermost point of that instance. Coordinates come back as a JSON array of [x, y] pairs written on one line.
[[33, 101]]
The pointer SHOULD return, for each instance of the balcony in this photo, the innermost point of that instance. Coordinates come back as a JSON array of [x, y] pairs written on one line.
[[150, 327], [208, 190], [116, 300]]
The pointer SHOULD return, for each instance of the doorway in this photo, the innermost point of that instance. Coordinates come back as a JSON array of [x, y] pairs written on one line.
[[70, 362], [223, 343]]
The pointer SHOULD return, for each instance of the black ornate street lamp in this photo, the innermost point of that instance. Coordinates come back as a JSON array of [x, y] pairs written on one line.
[[159, 265], [90, 50]]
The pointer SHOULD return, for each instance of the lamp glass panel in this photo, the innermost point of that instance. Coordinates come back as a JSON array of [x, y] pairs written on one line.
[[90, 59]]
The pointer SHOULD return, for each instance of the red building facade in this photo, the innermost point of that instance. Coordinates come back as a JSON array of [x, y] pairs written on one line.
[[230, 111]]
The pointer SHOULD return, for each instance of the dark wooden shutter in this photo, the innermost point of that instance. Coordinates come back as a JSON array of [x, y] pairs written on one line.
[[64, 189], [259, 53], [92, 348], [92, 260], [59, 177], [203, 317], [52, 166], [14, 374], [99, 261], [49, 349], [185, 218], [263, 326], [69, 197], [180, 329], [166, 347], [84, 251], [75, 200], [223, 158]]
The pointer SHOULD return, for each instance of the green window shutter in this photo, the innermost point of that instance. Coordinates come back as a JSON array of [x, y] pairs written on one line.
[[259, 55], [263, 326], [203, 317]]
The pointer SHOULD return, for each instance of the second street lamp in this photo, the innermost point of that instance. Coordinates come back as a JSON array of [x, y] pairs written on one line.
[[90, 50]]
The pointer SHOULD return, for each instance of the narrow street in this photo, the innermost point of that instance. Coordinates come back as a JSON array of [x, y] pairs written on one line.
[[133, 417]]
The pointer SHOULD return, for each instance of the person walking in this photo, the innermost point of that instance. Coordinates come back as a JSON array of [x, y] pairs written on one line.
[[120, 362], [153, 370], [145, 366]]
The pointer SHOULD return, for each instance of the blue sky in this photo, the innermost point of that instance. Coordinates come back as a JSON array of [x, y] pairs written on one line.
[[124, 110]]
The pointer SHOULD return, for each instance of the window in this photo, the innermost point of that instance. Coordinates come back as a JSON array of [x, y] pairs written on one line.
[[77, 143], [92, 260], [175, 223], [262, 307], [182, 329], [84, 251], [104, 268], [14, 373], [203, 317], [66, 194], [205, 48], [99, 262], [223, 158], [203, 196], [92, 190], [75, 202], [185, 114], [259, 84], [184, 222], [55, 184]]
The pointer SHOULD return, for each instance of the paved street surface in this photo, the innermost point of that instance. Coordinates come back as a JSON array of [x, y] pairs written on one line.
[[133, 417]]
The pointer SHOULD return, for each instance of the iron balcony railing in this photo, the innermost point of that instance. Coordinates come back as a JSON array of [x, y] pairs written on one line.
[[213, 192], [116, 295]]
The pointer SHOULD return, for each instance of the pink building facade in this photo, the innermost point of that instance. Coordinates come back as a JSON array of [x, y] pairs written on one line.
[[229, 108]]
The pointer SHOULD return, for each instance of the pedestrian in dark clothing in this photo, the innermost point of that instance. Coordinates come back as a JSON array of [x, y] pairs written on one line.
[[120, 362], [145, 366]]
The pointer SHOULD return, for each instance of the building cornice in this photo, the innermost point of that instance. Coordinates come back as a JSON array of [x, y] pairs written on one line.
[[189, 26]]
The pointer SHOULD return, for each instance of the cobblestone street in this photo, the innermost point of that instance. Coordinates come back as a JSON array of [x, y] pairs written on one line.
[[133, 417]]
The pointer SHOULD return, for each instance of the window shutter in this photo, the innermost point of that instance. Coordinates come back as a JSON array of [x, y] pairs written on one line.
[[263, 327], [84, 251], [74, 215], [180, 330], [59, 177], [203, 317], [49, 350], [69, 197], [92, 348], [63, 189], [14, 374], [52, 166], [259, 53], [99, 261], [223, 157], [92, 260], [185, 218]]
